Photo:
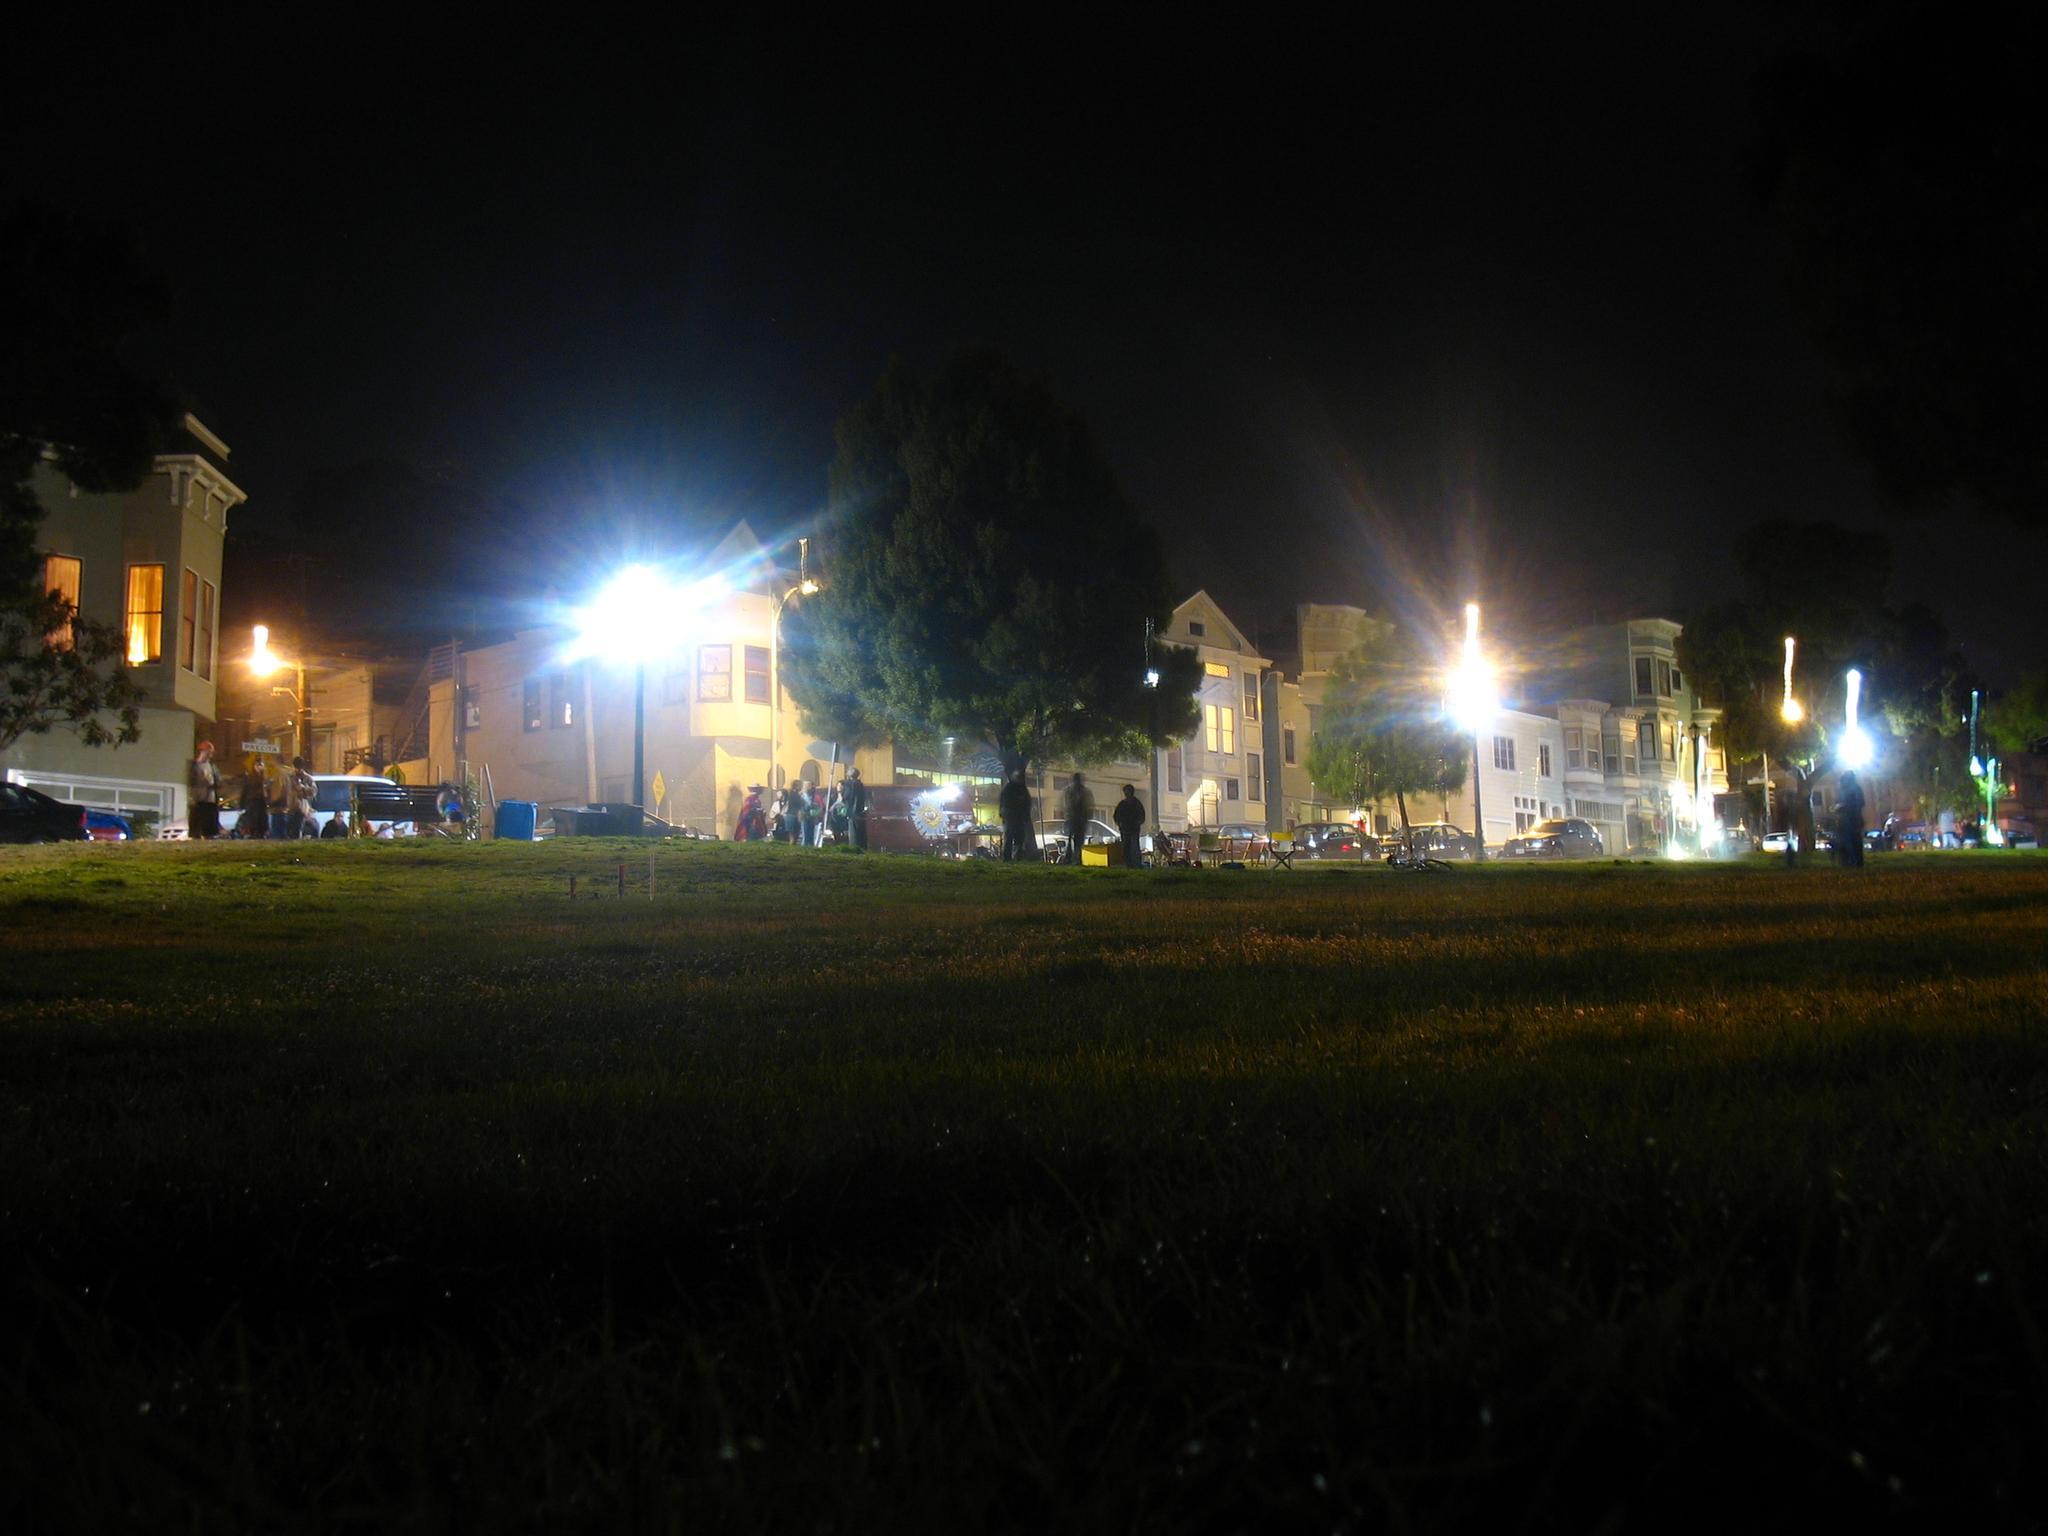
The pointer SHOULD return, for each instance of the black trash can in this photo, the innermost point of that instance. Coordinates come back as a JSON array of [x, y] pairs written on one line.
[[612, 819]]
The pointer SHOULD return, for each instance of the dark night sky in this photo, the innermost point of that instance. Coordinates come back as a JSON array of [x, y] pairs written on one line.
[[1360, 316]]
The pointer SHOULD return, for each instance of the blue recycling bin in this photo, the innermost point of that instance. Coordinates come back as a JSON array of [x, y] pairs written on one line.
[[516, 819]]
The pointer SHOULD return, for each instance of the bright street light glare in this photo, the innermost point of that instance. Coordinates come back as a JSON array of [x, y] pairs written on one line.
[[262, 661], [1470, 698], [640, 615], [1857, 749]]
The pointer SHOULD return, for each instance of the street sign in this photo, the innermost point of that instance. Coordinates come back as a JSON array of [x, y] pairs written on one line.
[[258, 744], [660, 789]]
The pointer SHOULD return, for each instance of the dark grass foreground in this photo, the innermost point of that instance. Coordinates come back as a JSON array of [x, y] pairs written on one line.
[[384, 1187]]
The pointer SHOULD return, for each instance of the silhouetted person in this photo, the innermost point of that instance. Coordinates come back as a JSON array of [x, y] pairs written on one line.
[[1014, 806], [1078, 806], [1849, 824], [857, 809], [255, 820], [1130, 820], [203, 780]]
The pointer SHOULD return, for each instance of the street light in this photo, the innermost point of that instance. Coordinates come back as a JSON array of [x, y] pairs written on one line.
[[1791, 711], [804, 587], [1471, 701], [1856, 749], [640, 616], [263, 661]]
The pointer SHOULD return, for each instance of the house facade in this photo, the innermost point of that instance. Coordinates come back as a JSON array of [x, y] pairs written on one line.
[[149, 560], [542, 725]]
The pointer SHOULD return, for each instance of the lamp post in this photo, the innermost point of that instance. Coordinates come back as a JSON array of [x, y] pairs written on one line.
[[1856, 749], [263, 662], [804, 587], [639, 616], [1470, 701]]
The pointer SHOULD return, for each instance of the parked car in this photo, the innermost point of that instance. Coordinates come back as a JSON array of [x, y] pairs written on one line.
[[1564, 837], [107, 827], [30, 816], [1774, 842], [1437, 839], [1334, 840], [1052, 837], [1245, 840]]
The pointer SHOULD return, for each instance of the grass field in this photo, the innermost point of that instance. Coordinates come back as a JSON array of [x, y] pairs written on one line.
[[388, 1187]]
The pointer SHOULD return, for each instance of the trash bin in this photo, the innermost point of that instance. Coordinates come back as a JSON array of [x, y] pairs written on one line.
[[516, 819]]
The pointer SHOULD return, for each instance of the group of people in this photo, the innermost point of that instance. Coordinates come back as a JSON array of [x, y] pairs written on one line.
[[1077, 809], [805, 816], [265, 806]]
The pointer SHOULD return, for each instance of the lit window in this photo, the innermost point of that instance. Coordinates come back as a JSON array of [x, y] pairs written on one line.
[[757, 674], [1215, 669], [1228, 718], [61, 578], [206, 597], [1209, 726], [1251, 777], [714, 673], [529, 705], [144, 615]]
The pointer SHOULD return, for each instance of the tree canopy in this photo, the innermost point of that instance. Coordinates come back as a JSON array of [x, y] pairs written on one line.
[[72, 293], [1382, 732], [984, 576], [1826, 588]]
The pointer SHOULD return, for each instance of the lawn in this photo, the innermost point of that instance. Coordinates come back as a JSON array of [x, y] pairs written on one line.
[[391, 1187]]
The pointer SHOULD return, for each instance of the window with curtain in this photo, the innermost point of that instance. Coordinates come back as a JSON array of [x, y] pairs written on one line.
[[714, 673], [1228, 718], [61, 576], [1209, 736], [757, 674], [143, 615]]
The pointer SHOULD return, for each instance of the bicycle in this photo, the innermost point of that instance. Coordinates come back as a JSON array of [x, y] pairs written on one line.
[[1407, 856]]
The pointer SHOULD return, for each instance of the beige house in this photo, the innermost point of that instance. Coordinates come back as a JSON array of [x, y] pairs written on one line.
[[150, 560], [547, 725]]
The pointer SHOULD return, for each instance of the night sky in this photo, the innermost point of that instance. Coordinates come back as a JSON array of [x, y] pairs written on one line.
[[1377, 316]]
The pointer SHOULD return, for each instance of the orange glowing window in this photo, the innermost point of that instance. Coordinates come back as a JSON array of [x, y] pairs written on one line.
[[145, 614]]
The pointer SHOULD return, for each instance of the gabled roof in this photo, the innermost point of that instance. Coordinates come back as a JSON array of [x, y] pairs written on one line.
[[1218, 631]]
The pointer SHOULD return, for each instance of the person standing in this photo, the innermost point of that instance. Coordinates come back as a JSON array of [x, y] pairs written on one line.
[[810, 815], [1130, 820], [1013, 806], [255, 820], [857, 809], [203, 780], [1849, 824], [1078, 807], [747, 828], [299, 792]]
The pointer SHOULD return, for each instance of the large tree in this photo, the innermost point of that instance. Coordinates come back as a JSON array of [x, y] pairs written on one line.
[[1382, 733], [72, 293], [984, 576], [1825, 587]]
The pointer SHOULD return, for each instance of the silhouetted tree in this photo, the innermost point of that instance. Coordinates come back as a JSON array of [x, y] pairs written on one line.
[[984, 576], [72, 293]]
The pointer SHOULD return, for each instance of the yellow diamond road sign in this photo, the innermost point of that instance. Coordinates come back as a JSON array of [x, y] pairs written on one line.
[[660, 787]]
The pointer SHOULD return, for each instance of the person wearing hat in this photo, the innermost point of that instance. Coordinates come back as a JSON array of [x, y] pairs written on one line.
[[753, 822], [203, 779]]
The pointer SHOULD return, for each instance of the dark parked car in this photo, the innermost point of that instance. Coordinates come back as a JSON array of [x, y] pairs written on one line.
[[1334, 840], [30, 816], [1436, 839], [1566, 837]]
